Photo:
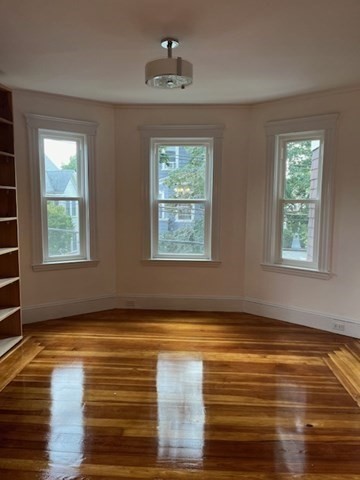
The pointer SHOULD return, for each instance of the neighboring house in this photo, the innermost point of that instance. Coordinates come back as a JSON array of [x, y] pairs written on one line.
[[63, 183]]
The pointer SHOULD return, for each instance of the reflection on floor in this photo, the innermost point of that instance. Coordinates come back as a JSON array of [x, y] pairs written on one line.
[[181, 411]]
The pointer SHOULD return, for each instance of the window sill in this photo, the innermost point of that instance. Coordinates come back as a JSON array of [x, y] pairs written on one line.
[[291, 270], [181, 262], [65, 265]]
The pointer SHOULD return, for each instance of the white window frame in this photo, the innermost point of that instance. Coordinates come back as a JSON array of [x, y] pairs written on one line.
[[278, 133], [154, 135], [40, 127]]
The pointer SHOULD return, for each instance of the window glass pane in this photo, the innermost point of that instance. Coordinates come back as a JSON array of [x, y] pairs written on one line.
[[63, 227], [61, 166], [302, 169], [181, 171], [181, 228], [298, 231]]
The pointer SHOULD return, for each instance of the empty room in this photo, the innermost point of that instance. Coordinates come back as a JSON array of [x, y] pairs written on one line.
[[179, 240]]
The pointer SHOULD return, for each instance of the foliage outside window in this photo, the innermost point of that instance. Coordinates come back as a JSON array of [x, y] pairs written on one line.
[[62, 153], [299, 195], [183, 166]]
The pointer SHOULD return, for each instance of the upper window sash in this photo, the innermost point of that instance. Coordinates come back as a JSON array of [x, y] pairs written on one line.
[[281, 151], [157, 143], [81, 170]]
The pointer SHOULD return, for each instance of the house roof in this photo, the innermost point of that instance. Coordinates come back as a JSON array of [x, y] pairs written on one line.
[[57, 180]]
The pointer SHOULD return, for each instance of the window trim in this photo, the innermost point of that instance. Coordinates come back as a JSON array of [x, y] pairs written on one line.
[[56, 127], [195, 133], [300, 128]]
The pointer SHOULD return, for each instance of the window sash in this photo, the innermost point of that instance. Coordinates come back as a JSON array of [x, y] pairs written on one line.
[[155, 153], [282, 141], [156, 233], [80, 141], [82, 230], [279, 243]]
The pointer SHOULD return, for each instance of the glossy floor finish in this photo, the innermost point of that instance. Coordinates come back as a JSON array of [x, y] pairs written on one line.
[[174, 395]]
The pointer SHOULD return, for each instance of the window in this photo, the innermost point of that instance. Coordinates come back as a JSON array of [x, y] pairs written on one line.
[[62, 155], [182, 200], [185, 213], [170, 158], [299, 195]]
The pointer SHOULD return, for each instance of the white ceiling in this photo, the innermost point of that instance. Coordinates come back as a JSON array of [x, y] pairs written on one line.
[[243, 51]]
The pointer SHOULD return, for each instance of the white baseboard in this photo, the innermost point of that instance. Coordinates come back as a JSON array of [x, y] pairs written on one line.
[[299, 316], [307, 318], [174, 302], [67, 308]]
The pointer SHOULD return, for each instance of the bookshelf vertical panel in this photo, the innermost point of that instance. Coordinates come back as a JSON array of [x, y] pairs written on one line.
[[10, 315]]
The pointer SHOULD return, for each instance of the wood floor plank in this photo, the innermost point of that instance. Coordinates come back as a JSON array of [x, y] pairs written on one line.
[[345, 364], [180, 395]]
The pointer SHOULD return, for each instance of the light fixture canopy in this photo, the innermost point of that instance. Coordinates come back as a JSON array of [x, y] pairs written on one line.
[[169, 72]]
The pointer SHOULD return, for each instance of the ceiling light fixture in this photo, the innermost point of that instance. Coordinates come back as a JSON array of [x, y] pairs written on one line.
[[169, 72]]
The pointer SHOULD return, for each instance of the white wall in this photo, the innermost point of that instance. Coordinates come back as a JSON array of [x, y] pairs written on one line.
[[61, 292], [144, 283], [338, 297]]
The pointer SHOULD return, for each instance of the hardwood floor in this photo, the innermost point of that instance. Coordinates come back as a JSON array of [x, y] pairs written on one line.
[[177, 395]]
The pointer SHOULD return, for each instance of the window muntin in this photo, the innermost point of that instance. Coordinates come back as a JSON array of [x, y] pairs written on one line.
[[181, 199]]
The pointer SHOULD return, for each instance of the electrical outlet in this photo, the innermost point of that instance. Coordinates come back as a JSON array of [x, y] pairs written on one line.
[[130, 304], [338, 326]]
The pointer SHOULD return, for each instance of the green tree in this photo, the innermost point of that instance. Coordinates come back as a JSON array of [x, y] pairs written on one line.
[[72, 165], [60, 227], [191, 175]]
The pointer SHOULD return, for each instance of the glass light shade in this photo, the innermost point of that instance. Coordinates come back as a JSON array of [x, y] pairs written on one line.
[[168, 73]]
